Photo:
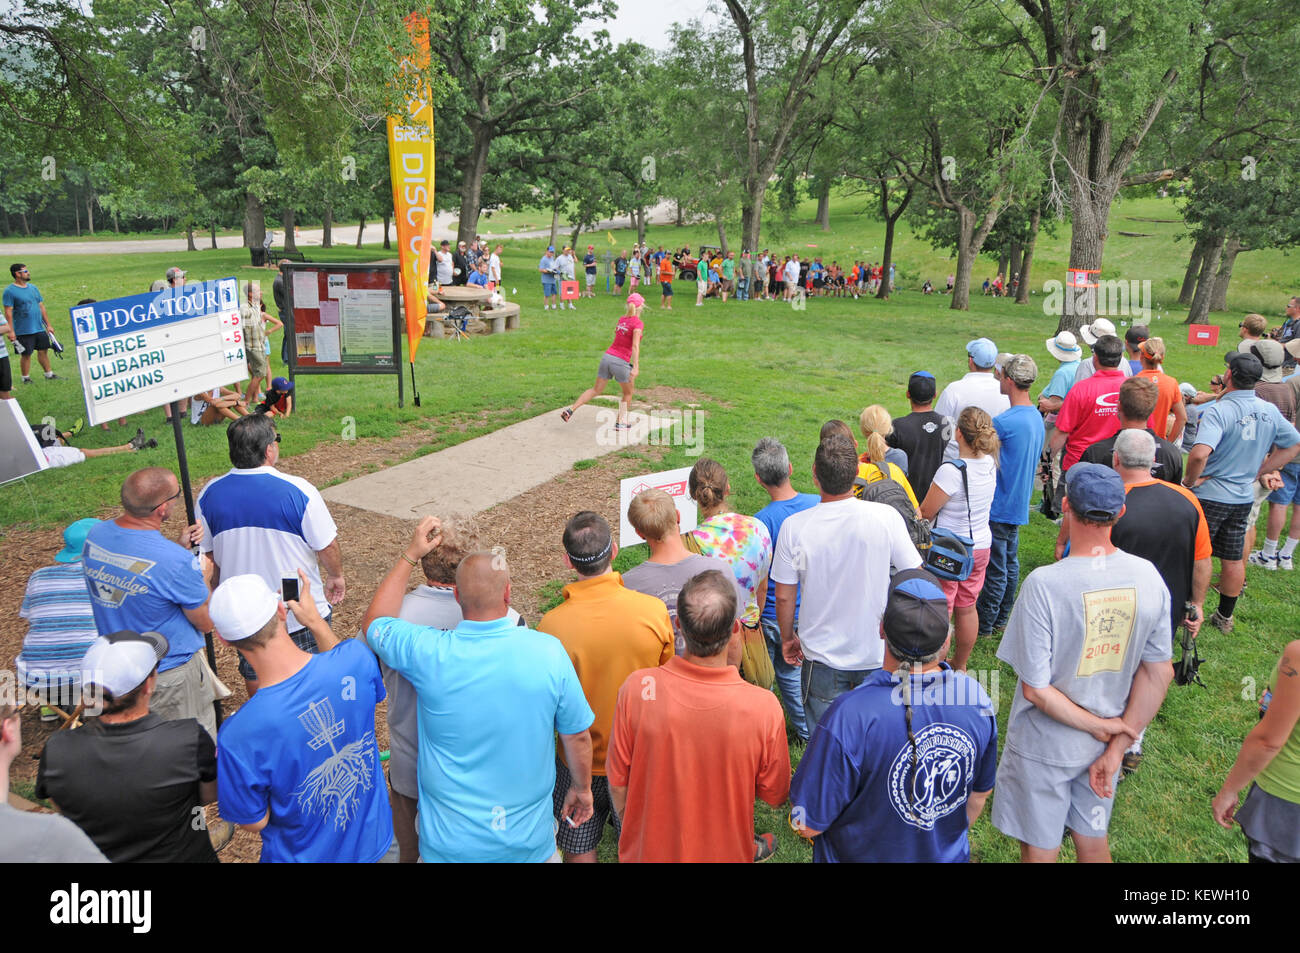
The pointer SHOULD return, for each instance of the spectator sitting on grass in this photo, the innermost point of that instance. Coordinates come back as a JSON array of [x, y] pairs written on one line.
[[278, 401]]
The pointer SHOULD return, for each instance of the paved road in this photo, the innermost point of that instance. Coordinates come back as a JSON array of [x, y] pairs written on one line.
[[444, 226]]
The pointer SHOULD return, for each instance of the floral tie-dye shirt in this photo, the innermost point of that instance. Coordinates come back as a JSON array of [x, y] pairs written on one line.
[[745, 543]]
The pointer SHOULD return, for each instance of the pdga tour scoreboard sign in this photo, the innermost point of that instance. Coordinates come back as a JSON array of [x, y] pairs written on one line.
[[145, 351]]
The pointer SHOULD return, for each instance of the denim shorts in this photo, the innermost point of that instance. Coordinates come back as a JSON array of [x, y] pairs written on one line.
[[550, 287], [1290, 492]]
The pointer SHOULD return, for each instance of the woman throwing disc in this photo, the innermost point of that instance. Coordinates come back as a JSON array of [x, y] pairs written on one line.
[[622, 362]]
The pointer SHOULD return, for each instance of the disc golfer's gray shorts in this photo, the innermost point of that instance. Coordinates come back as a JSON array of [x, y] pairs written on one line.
[[1036, 802], [614, 368]]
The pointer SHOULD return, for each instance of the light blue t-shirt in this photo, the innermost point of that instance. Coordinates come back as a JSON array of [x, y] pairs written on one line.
[[1242, 430], [139, 580], [304, 750], [491, 695], [26, 303], [547, 267], [1021, 433], [772, 516], [1062, 380]]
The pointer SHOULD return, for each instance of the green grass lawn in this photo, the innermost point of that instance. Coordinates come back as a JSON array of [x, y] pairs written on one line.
[[764, 369]]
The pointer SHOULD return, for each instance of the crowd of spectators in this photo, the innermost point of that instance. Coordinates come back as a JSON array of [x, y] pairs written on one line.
[[661, 702]]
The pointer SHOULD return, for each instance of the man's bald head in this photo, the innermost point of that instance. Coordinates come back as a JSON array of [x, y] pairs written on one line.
[[481, 582], [145, 490]]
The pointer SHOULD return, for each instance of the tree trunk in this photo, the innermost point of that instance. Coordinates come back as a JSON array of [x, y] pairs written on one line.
[[1219, 297], [640, 225], [254, 222], [1004, 259], [891, 220], [361, 228], [473, 168], [965, 261], [555, 224], [388, 217], [573, 239], [824, 204], [1014, 264], [1205, 283], [189, 237], [1189, 276], [754, 211], [679, 214], [289, 220], [90, 212], [116, 229], [1027, 262], [27, 225], [213, 227], [327, 228], [76, 210], [722, 235]]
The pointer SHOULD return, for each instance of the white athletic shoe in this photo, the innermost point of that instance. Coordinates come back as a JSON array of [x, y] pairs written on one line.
[[1257, 558], [572, 306], [1284, 562]]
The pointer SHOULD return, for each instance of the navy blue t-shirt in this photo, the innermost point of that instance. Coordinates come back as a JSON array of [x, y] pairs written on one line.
[[772, 516], [856, 784], [1021, 432]]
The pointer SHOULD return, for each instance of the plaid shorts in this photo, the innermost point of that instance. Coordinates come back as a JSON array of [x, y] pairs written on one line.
[[1227, 523], [584, 837], [301, 638]]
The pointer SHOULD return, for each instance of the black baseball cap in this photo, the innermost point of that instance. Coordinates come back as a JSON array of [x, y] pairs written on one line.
[[1137, 334], [916, 615], [921, 387], [1246, 369]]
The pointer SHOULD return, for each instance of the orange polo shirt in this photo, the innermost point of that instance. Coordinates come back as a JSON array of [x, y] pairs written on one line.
[[694, 746], [608, 631]]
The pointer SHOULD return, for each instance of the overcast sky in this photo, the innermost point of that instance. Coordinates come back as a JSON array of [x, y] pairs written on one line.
[[647, 21]]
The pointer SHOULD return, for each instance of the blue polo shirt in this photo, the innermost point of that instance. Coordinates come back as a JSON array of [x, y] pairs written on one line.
[[26, 303], [1062, 380], [772, 516], [1242, 430], [1021, 432], [141, 581], [491, 696], [856, 783]]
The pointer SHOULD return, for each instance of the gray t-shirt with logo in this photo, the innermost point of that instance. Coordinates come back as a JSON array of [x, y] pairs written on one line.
[[1082, 625], [665, 580]]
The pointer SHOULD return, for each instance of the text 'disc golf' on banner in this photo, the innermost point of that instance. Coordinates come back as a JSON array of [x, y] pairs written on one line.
[[147, 350]]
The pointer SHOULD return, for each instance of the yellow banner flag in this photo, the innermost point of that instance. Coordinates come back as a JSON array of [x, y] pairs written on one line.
[[410, 167]]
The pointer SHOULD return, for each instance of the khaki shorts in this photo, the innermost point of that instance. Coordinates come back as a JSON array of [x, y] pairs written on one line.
[[187, 691]]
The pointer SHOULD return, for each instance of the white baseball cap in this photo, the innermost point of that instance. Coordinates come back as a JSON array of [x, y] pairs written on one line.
[[120, 662], [241, 605], [1099, 328]]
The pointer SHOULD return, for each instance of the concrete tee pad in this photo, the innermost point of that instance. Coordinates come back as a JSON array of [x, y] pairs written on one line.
[[478, 474]]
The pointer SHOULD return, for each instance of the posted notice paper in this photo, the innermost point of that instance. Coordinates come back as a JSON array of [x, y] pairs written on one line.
[[327, 345], [306, 293]]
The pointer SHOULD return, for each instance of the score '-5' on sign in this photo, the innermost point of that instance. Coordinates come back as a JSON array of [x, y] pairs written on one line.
[[144, 351]]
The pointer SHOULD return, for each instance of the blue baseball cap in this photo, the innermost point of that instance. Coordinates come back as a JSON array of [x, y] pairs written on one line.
[[282, 384], [922, 374], [550, 248], [1095, 492], [983, 352], [74, 541]]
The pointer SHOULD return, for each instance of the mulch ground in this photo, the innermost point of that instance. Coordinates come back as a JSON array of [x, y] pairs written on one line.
[[528, 528]]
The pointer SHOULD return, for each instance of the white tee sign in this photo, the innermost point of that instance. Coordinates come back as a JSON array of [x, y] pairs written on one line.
[[145, 351], [672, 482]]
